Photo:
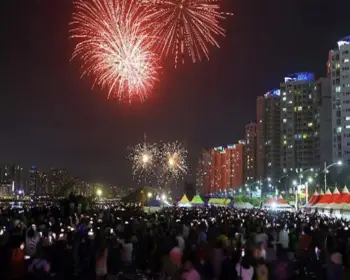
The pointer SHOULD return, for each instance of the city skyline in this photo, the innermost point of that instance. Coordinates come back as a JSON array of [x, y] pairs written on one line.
[[51, 117]]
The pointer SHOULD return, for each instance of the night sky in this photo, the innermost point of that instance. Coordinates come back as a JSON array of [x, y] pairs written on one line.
[[52, 118]]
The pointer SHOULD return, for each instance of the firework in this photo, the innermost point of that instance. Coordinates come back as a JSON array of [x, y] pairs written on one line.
[[144, 158], [115, 47], [186, 26], [173, 161]]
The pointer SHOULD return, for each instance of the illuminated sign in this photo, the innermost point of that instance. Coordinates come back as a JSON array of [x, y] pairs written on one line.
[[344, 41], [275, 92], [299, 77]]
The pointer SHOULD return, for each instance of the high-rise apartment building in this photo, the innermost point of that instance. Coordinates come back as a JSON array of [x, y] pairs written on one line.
[[268, 135], [203, 171], [221, 168], [34, 181], [250, 149], [305, 122], [339, 72]]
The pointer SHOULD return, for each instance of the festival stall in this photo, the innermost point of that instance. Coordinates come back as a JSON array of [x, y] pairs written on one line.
[[223, 202], [326, 199], [184, 202], [243, 205], [197, 201], [278, 204]]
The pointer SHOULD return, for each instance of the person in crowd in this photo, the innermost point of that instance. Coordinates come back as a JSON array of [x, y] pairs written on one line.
[[190, 272], [244, 269], [101, 263], [335, 268], [39, 268]]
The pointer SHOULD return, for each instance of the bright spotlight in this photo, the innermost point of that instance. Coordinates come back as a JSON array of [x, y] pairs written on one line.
[[149, 195], [163, 197], [339, 162]]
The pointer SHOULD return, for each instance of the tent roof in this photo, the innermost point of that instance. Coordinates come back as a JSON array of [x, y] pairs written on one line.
[[197, 200], [327, 198], [184, 199]]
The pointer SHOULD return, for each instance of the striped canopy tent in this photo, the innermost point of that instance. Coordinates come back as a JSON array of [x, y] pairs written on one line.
[[184, 202], [324, 200], [335, 196], [312, 200], [345, 199]]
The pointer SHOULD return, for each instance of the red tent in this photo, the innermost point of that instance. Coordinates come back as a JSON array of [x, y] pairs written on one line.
[[335, 197], [325, 199], [313, 199], [345, 196]]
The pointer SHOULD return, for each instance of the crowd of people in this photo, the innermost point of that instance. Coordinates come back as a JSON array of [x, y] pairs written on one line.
[[118, 242]]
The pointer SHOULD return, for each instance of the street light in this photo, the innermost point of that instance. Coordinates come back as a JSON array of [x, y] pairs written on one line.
[[149, 195], [325, 170], [99, 192]]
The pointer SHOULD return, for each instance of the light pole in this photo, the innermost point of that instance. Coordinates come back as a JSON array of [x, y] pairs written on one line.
[[325, 170], [309, 180], [298, 186], [295, 184]]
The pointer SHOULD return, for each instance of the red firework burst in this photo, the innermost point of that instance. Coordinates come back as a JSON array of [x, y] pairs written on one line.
[[115, 47]]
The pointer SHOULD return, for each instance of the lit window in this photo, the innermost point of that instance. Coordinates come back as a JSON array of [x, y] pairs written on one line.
[[347, 127], [346, 60], [284, 93], [284, 142], [284, 98], [347, 118], [310, 124], [284, 109], [304, 136], [300, 108], [339, 129], [284, 120], [338, 89]]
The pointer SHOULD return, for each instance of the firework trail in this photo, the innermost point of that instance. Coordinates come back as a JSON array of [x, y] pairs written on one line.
[[115, 47], [186, 27]]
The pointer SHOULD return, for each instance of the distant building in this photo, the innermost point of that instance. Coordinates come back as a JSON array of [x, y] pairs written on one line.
[[305, 122], [203, 172], [34, 181], [268, 135], [339, 72], [250, 150], [221, 169]]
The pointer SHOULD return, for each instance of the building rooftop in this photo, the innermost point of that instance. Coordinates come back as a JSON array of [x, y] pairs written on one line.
[[344, 41], [299, 77], [275, 92]]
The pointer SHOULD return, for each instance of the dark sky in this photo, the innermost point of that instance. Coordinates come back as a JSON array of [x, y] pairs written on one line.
[[50, 117]]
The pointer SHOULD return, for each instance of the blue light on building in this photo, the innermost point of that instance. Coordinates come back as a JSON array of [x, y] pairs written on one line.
[[344, 41], [300, 77], [275, 92]]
